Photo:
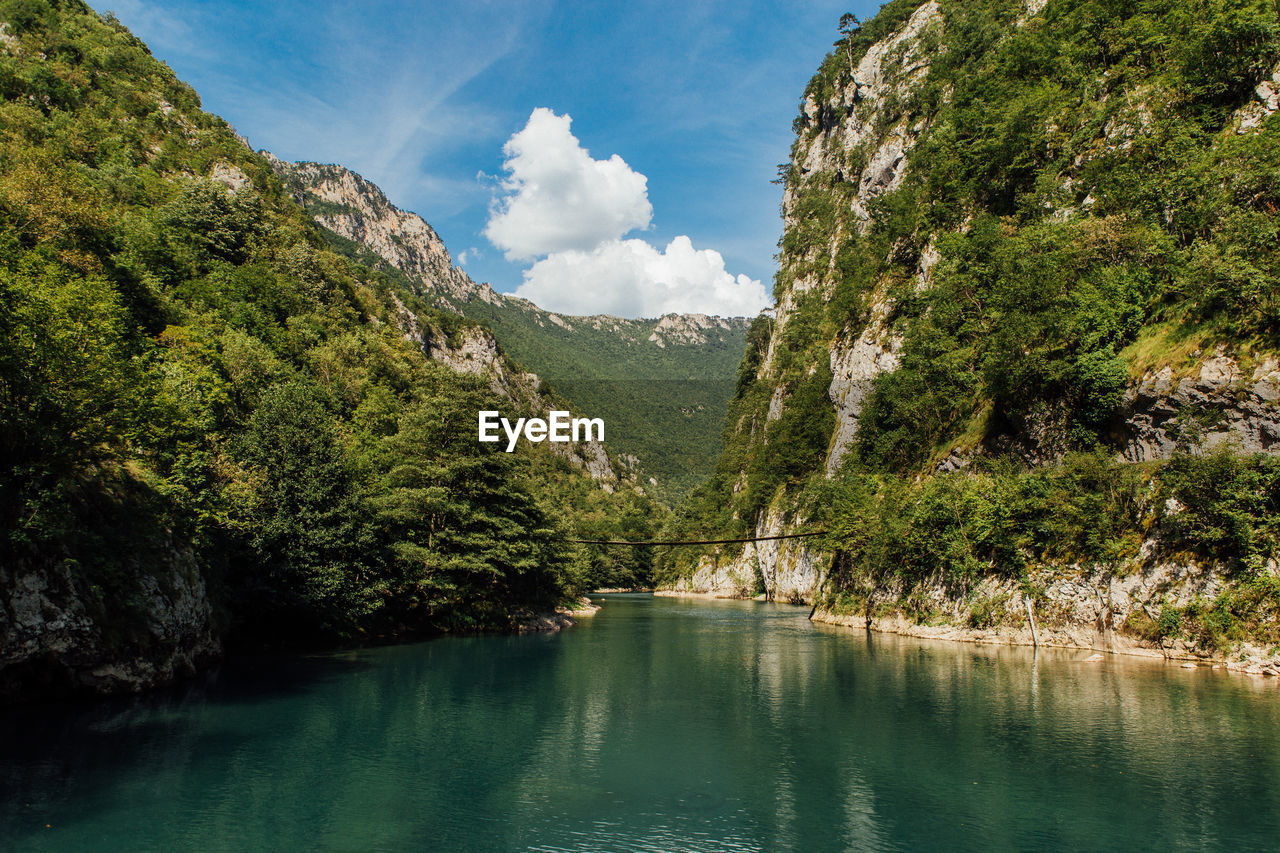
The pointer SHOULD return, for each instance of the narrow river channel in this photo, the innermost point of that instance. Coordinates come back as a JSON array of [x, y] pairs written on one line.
[[659, 725]]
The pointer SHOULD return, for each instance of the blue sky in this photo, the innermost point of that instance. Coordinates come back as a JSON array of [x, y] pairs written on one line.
[[698, 97]]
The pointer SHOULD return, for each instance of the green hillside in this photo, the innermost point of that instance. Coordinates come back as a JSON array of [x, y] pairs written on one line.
[[662, 385], [663, 405], [191, 378]]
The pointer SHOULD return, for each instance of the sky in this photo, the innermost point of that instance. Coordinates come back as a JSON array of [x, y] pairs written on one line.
[[594, 157]]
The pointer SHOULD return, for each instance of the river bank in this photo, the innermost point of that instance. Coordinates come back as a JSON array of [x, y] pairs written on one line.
[[88, 673], [560, 618], [1248, 659]]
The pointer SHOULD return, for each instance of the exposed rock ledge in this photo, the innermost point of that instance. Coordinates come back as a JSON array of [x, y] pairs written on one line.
[[559, 619], [56, 638], [720, 594], [1221, 404], [1250, 660]]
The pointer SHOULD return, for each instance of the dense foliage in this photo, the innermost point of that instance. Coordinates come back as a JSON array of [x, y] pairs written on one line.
[[955, 530], [1096, 213], [664, 405], [194, 358]]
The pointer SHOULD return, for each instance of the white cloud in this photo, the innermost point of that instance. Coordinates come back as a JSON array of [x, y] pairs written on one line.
[[572, 212], [560, 198], [630, 278]]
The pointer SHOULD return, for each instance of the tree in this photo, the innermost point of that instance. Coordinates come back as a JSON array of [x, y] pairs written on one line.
[[849, 24], [303, 522], [469, 544]]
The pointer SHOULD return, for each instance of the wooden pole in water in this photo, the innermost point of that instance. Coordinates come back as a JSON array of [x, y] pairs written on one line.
[[1031, 618]]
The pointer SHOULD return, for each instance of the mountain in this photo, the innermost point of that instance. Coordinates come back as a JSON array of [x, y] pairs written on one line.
[[1024, 363], [662, 385], [215, 430]]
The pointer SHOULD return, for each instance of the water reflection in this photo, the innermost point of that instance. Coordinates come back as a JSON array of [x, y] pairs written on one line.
[[662, 724]]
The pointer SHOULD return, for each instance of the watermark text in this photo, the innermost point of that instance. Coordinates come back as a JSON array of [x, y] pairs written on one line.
[[560, 426]]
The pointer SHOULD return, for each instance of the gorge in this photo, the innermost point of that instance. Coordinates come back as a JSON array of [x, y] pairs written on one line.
[[288, 533]]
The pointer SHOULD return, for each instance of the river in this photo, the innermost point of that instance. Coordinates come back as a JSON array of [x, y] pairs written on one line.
[[660, 724]]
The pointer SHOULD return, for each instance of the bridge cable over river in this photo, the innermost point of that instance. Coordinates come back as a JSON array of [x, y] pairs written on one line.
[[694, 541]]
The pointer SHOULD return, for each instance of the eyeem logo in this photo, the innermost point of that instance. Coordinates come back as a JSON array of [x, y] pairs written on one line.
[[560, 427]]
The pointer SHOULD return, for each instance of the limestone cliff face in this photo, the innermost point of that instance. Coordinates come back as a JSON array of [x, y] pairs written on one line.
[[1216, 403], [688, 328], [885, 76], [870, 149], [59, 637], [783, 570], [356, 209], [1088, 608], [857, 133]]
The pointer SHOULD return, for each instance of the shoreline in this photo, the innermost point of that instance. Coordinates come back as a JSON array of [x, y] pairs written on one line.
[[558, 619], [1255, 662], [679, 593]]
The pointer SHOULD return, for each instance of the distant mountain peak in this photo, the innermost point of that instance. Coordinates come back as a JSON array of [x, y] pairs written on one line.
[[357, 209]]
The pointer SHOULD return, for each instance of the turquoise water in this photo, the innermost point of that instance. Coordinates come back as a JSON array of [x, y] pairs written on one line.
[[664, 725]]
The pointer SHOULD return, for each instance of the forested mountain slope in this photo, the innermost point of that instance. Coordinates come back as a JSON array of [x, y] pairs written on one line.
[[663, 385], [213, 427], [1024, 357]]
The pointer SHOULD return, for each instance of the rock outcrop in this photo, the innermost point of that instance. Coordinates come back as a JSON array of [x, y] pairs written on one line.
[[1217, 404], [883, 77], [58, 637], [870, 148], [1114, 610], [779, 570], [354, 208], [1267, 93], [688, 328]]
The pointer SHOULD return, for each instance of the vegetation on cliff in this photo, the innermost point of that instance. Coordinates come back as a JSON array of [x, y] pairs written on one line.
[[1022, 211], [185, 363]]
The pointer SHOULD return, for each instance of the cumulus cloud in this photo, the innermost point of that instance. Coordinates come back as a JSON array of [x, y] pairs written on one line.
[[630, 278], [561, 199], [569, 214]]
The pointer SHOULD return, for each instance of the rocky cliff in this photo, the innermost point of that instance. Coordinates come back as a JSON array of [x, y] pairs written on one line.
[[950, 279], [60, 636], [350, 206], [867, 153]]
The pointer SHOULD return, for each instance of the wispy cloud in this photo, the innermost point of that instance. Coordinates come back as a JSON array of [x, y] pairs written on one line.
[[164, 29], [325, 83]]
